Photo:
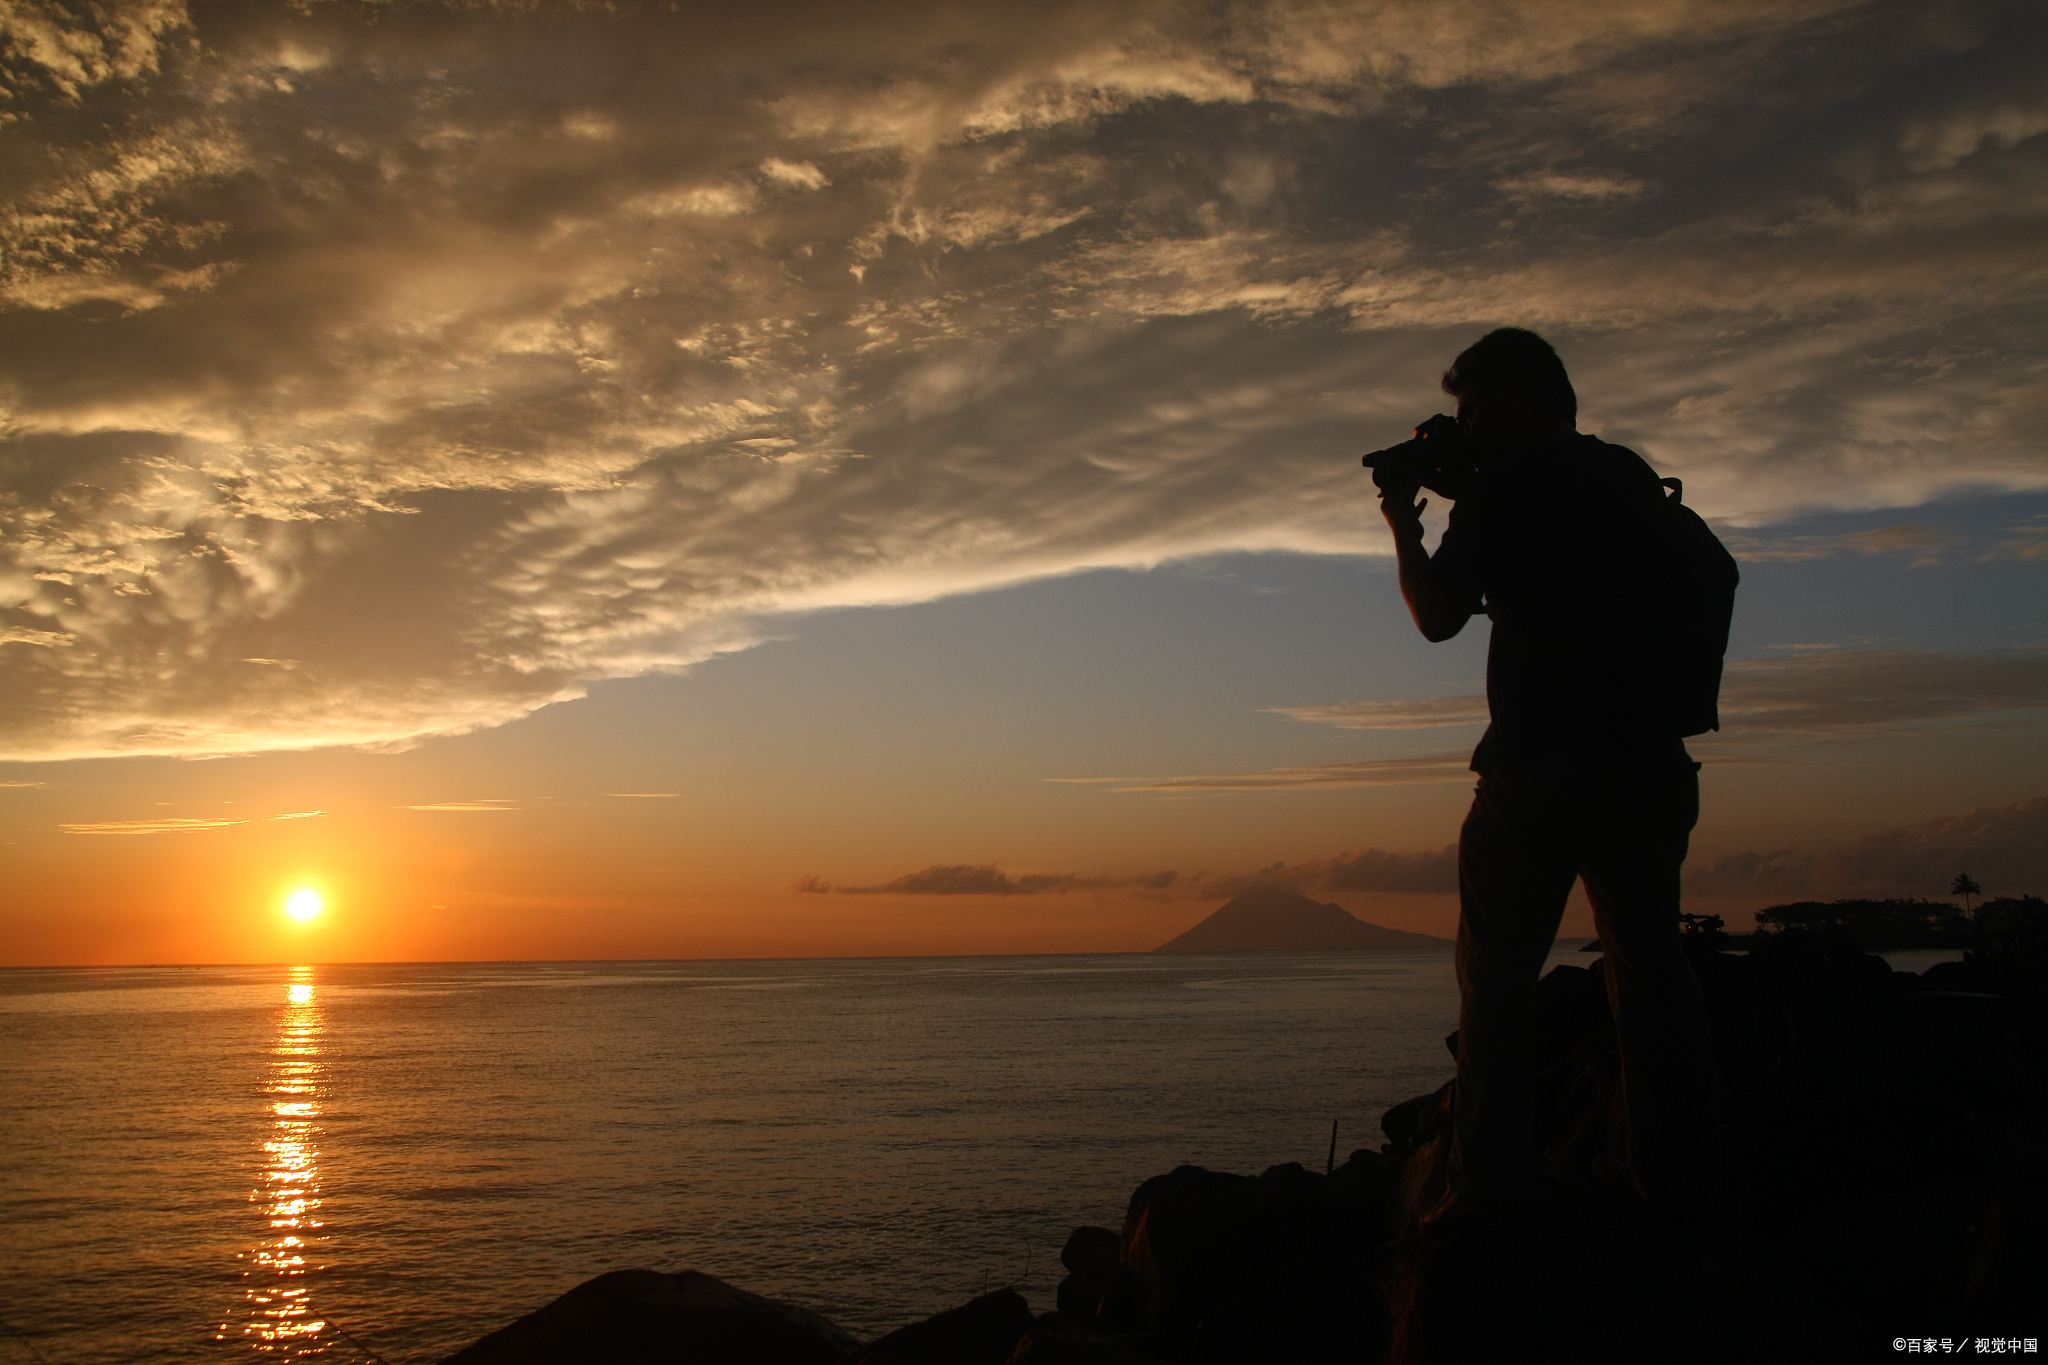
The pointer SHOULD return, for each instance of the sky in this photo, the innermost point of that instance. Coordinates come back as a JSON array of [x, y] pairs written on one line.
[[573, 481]]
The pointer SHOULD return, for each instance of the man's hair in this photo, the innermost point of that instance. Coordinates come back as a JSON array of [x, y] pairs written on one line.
[[1510, 356]]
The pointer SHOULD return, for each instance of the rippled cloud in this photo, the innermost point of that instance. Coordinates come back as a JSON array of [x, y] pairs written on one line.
[[2005, 848], [1449, 766], [378, 373], [170, 825], [1921, 546], [1820, 691]]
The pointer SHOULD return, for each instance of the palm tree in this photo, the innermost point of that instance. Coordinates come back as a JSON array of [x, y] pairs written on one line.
[[1964, 887]]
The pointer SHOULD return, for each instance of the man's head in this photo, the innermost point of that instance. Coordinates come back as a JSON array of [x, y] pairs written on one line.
[[1511, 388]]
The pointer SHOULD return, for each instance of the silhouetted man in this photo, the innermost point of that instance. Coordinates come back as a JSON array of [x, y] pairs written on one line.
[[1583, 772]]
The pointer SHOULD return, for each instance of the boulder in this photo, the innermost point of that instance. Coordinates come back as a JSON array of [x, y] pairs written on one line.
[[983, 1332], [1219, 1267], [1090, 1257], [628, 1317], [1058, 1341]]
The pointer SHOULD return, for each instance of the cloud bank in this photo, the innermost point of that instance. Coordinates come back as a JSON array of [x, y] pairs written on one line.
[[2005, 848], [382, 372], [1359, 869], [961, 879]]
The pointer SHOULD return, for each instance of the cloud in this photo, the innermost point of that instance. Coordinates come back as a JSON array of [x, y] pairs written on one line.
[[1358, 869], [800, 175], [1378, 772], [69, 51], [987, 879], [20, 784], [1372, 869], [1422, 714], [300, 815], [644, 795], [1581, 186], [472, 806], [1821, 691], [2028, 540], [166, 826], [1922, 545], [2004, 848], [47, 639], [1853, 692], [373, 376]]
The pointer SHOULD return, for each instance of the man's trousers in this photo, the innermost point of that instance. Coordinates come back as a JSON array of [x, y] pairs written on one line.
[[1622, 824]]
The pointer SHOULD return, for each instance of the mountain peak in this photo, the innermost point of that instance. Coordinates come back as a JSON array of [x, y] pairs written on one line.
[[1268, 919]]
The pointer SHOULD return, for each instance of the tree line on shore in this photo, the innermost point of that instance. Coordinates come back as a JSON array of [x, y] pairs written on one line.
[[2002, 924]]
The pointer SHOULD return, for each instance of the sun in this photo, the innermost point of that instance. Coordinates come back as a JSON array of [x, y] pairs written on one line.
[[304, 905]]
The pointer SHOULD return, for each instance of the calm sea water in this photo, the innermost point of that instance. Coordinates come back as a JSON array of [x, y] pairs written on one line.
[[205, 1163]]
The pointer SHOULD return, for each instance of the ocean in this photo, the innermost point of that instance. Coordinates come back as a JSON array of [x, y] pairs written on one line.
[[387, 1161]]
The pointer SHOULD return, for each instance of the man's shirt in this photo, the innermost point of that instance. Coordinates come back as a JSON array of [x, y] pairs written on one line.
[[1556, 540]]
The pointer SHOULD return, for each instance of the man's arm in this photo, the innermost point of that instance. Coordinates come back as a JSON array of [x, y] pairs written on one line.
[[1440, 612]]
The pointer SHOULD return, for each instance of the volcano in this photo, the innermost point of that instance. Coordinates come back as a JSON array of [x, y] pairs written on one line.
[[1281, 921]]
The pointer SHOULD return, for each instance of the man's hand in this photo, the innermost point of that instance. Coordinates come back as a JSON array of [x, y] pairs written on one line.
[[1438, 613], [1403, 512]]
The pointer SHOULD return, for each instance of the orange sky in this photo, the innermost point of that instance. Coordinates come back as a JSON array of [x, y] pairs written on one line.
[[596, 470]]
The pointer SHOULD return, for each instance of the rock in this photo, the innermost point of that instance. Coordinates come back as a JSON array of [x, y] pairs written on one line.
[[1570, 1000], [1885, 1152], [1364, 1183], [983, 1332], [1226, 1268], [1960, 976], [1515, 1287], [1413, 1122], [1057, 1341], [1090, 1257], [632, 1316], [1182, 1240]]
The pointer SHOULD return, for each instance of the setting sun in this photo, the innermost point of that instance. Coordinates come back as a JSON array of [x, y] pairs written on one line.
[[304, 905]]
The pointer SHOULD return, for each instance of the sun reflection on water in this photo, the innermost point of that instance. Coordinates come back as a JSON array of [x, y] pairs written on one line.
[[277, 1313]]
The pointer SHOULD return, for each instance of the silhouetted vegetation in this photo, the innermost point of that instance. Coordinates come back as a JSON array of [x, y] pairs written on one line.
[[1874, 926], [1706, 931], [2012, 926], [2004, 924]]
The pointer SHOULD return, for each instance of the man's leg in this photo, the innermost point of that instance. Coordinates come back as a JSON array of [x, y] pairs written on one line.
[[1670, 1085], [1515, 869]]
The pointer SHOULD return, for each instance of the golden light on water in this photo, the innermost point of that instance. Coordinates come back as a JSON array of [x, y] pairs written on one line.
[[278, 1317], [304, 904]]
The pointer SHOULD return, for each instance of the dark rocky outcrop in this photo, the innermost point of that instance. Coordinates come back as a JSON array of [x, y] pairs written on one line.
[[631, 1316], [983, 1332], [1270, 920], [1092, 1257], [1886, 1174]]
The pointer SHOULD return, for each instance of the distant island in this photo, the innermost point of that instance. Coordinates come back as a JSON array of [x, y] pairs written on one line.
[[1273, 921]]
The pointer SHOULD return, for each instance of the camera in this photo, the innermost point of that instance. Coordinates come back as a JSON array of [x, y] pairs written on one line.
[[1436, 458]]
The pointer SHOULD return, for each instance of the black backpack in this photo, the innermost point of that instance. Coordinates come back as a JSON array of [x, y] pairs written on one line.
[[1700, 576]]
